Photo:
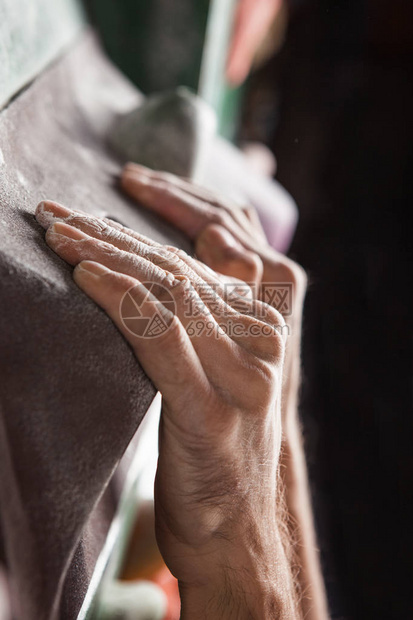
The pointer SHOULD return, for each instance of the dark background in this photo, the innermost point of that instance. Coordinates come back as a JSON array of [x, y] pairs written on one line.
[[335, 106]]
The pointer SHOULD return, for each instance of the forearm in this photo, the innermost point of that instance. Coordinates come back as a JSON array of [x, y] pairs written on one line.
[[245, 586], [297, 497], [298, 502]]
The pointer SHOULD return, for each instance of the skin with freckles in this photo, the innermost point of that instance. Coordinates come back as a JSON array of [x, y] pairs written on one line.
[[218, 497]]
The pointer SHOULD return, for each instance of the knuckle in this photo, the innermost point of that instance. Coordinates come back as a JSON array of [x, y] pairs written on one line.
[[271, 344], [275, 317], [177, 253], [253, 264], [276, 344], [264, 340], [250, 212], [302, 278], [183, 281], [115, 237], [183, 290], [171, 261], [237, 294], [272, 315], [188, 297], [294, 273], [299, 276], [108, 234], [183, 270], [172, 249], [222, 204], [264, 377], [220, 217]]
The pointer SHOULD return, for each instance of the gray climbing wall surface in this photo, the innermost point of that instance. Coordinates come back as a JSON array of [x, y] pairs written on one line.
[[32, 34]]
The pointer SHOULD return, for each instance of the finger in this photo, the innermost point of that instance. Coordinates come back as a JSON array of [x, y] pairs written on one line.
[[168, 359], [192, 216], [49, 212], [223, 253], [145, 316], [122, 238], [239, 300], [81, 227], [74, 246], [171, 259], [187, 212], [252, 216], [207, 314], [192, 189], [189, 186], [162, 192]]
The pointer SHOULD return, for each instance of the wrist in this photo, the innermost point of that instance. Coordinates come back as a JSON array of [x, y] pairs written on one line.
[[231, 601], [251, 581]]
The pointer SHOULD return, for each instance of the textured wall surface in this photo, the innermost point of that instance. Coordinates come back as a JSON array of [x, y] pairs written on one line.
[[32, 34], [71, 392]]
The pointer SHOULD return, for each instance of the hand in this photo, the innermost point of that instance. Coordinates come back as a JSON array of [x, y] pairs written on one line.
[[230, 240], [216, 483], [227, 237]]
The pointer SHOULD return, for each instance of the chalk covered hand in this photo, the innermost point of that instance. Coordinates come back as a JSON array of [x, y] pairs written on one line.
[[218, 362]]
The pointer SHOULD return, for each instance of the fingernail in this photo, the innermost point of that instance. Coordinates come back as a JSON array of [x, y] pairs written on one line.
[[135, 178], [91, 267], [133, 168], [47, 212], [132, 179], [56, 208], [60, 228]]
